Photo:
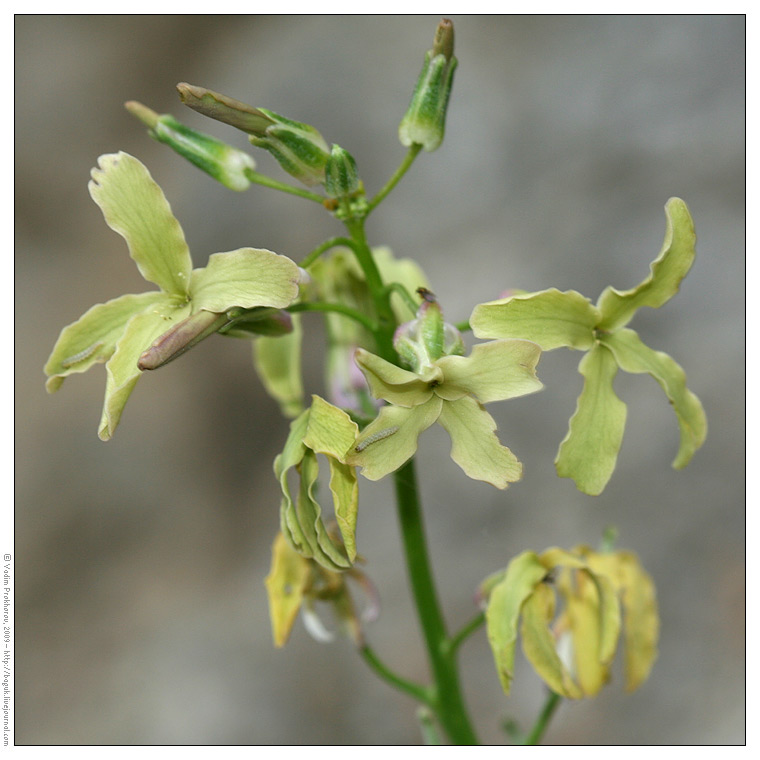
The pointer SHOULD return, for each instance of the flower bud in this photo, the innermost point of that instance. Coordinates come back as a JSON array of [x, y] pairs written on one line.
[[427, 338], [299, 148], [425, 119], [341, 177], [180, 338], [224, 163]]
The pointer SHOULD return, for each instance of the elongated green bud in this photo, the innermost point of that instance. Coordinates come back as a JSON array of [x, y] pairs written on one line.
[[181, 338], [425, 119], [341, 177], [299, 148], [224, 163]]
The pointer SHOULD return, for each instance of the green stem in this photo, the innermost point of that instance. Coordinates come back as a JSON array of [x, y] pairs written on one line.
[[458, 639], [326, 246], [397, 287], [397, 175], [386, 320], [262, 179], [420, 693], [448, 705], [542, 723], [338, 308]]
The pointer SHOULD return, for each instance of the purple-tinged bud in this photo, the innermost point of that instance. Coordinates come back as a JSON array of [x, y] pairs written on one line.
[[181, 338]]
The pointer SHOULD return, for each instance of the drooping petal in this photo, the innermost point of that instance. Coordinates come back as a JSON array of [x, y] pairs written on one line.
[[246, 277], [285, 586], [474, 445], [641, 622], [506, 599], [551, 318], [666, 271], [135, 206], [589, 451], [634, 356], [330, 554], [391, 439], [394, 384], [332, 432], [121, 368], [539, 644], [494, 371], [593, 612], [278, 364], [92, 338]]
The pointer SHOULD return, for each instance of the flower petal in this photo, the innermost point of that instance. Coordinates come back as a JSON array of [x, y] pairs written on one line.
[[589, 451], [539, 644], [391, 439], [667, 271], [551, 318], [285, 586], [278, 364], [122, 371], [394, 384], [246, 277], [92, 338], [135, 206], [632, 355], [474, 445], [494, 371], [506, 599]]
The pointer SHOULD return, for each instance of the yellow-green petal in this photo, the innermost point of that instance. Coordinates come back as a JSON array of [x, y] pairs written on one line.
[[539, 643], [632, 355], [391, 439], [330, 430], [285, 584], [92, 338], [666, 271], [278, 364], [135, 206], [494, 371], [474, 445], [589, 451], [396, 385], [506, 599], [122, 372], [246, 277], [551, 318]]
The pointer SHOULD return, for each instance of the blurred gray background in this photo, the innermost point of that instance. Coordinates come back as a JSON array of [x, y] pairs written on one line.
[[141, 612]]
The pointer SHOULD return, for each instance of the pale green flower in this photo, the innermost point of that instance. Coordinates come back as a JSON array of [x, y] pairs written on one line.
[[449, 390], [119, 331], [554, 319]]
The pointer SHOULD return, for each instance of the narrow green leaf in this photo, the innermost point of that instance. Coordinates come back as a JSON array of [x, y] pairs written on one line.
[[506, 599], [246, 277], [285, 586], [122, 372], [391, 439], [278, 364], [494, 371], [551, 318], [135, 206], [540, 646], [474, 445], [632, 355], [666, 271], [92, 338], [589, 451]]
